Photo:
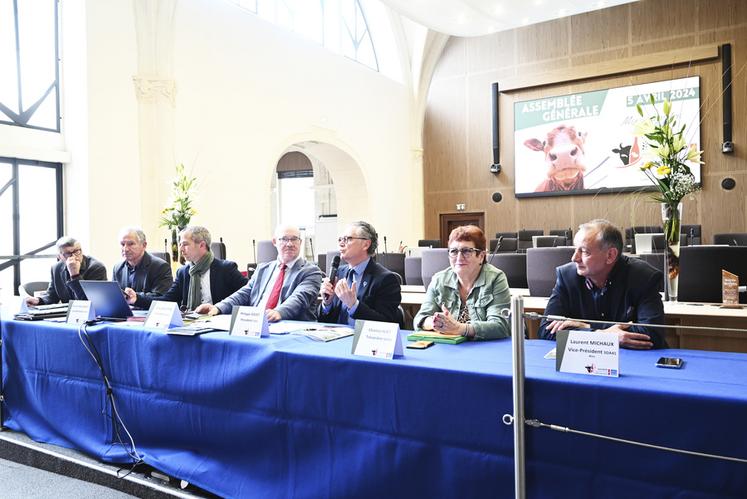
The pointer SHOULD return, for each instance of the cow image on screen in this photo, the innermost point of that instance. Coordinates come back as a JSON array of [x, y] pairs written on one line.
[[564, 155]]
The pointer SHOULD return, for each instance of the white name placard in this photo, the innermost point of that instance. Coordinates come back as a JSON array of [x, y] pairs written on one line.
[[163, 315], [80, 311], [377, 339], [594, 353], [249, 321]]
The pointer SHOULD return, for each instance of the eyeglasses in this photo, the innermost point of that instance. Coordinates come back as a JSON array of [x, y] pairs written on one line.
[[465, 252], [68, 254], [348, 239], [289, 240]]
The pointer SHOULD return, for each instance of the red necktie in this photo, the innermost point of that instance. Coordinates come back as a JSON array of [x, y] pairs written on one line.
[[272, 302]]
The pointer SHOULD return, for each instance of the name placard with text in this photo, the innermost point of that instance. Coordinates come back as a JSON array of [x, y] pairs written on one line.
[[594, 353], [249, 321], [377, 339], [163, 315], [80, 311]]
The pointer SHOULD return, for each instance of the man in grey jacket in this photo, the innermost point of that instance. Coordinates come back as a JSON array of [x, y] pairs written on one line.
[[287, 288]]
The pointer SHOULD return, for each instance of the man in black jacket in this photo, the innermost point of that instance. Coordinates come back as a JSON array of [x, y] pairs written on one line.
[[364, 289], [205, 279], [600, 283], [72, 267], [140, 270]]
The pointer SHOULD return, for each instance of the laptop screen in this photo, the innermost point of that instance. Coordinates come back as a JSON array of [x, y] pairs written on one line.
[[107, 299]]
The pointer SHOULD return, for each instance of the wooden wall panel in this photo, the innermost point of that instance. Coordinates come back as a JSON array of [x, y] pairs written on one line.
[[457, 145]]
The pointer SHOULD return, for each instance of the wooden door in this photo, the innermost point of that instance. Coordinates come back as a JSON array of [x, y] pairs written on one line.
[[450, 221]]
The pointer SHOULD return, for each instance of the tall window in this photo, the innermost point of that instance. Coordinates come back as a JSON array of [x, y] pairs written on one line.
[[30, 220], [338, 25], [29, 76]]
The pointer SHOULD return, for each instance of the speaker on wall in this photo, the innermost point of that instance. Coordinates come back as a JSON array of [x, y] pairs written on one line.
[[496, 166], [727, 146]]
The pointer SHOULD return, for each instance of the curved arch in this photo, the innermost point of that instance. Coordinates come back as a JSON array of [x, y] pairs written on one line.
[[344, 167]]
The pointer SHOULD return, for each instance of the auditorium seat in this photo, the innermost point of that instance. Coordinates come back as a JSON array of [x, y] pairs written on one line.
[[541, 264], [548, 241], [429, 243], [413, 271], [514, 235], [514, 265], [656, 260], [658, 244], [630, 233], [218, 249], [732, 239], [525, 237], [700, 271], [508, 245], [394, 262], [693, 233], [565, 233], [29, 288], [266, 251], [166, 257], [433, 260], [328, 259]]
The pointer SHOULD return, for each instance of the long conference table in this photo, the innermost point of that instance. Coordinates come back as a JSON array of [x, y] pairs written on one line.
[[286, 416]]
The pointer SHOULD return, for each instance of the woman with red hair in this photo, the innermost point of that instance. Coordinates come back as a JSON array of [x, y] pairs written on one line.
[[467, 298]]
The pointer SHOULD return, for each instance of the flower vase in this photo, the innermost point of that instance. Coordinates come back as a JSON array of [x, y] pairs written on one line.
[[671, 216]]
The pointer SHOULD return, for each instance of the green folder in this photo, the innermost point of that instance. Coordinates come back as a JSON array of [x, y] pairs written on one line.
[[436, 338]]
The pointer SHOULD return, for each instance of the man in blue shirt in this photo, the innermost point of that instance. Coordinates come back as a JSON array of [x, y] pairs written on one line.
[[600, 283], [364, 289]]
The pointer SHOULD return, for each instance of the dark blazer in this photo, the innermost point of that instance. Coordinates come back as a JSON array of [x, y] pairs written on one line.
[[632, 295], [152, 275], [63, 289], [379, 296], [225, 278]]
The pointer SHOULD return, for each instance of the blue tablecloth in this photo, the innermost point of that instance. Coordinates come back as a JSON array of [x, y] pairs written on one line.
[[289, 417]]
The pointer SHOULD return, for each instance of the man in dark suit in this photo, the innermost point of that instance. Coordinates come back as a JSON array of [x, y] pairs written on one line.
[[72, 267], [140, 270], [205, 279], [600, 283], [287, 287], [364, 290]]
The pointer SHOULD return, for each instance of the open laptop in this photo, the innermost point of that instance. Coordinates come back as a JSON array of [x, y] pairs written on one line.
[[107, 299]]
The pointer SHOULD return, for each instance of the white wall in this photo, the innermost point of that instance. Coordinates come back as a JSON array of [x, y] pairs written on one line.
[[246, 91]]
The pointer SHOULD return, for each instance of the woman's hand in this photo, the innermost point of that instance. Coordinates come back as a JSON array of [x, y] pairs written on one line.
[[444, 322]]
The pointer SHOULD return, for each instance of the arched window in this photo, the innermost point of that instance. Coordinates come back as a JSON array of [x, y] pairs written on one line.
[[338, 25], [29, 88]]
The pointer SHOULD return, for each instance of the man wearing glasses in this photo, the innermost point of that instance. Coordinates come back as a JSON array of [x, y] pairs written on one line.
[[363, 289], [72, 267], [287, 288]]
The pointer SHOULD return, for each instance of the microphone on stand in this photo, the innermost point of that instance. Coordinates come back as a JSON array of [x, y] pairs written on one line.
[[385, 250], [311, 247], [495, 250], [166, 246], [254, 250], [692, 236]]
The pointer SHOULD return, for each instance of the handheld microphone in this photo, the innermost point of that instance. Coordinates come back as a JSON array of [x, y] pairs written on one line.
[[254, 250], [385, 251], [333, 273], [333, 270]]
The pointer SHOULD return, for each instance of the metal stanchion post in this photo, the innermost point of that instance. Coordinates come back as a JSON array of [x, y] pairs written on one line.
[[517, 337]]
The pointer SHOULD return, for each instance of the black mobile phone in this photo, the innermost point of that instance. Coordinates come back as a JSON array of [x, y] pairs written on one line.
[[670, 362], [420, 345]]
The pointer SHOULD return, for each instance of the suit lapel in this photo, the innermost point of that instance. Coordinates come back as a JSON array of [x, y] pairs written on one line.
[[365, 281]]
